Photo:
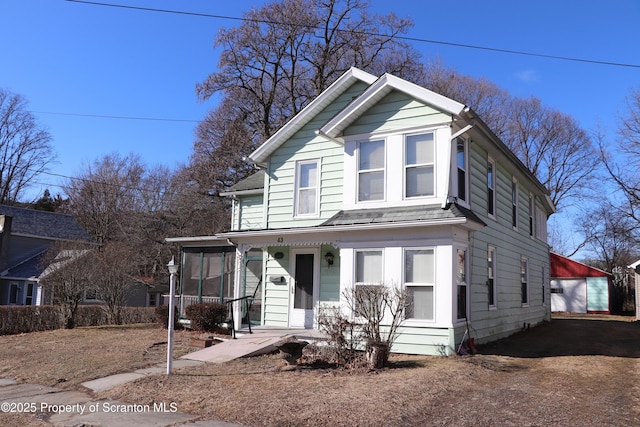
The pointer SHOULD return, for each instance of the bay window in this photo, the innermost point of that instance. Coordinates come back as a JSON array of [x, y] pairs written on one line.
[[419, 279]]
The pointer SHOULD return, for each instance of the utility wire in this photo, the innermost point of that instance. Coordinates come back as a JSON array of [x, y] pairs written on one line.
[[157, 119], [405, 38]]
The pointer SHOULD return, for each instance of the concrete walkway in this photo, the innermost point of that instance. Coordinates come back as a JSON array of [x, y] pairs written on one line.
[[74, 408]]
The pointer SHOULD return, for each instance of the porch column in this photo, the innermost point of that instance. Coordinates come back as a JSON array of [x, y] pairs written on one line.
[[237, 292]]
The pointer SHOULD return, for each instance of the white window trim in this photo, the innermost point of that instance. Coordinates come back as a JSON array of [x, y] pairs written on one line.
[[424, 285], [493, 250], [492, 162], [383, 169], [418, 165], [355, 266], [297, 189], [526, 280]]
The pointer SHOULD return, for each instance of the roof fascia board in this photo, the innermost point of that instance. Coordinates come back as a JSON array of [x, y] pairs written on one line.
[[243, 192], [344, 228], [383, 85], [259, 156]]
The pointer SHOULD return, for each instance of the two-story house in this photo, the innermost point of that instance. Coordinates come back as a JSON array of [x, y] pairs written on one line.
[[379, 181], [25, 235]]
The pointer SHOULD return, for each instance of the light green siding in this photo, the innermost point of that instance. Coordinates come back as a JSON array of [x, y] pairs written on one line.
[[329, 276], [511, 245], [305, 145], [276, 293], [250, 212], [394, 112]]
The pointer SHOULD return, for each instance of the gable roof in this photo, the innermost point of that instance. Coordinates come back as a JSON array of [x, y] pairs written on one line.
[[329, 95], [378, 90], [563, 267], [42, 224]]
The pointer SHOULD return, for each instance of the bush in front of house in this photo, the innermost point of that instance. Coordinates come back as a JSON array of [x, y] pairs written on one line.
[[207, 317], [36, 318], [161, 316], [29, 318]]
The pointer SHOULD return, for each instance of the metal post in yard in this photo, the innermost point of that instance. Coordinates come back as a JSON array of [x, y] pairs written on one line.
[[173, 269]]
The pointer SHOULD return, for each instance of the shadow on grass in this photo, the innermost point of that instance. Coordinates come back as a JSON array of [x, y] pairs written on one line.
[[571, 337]]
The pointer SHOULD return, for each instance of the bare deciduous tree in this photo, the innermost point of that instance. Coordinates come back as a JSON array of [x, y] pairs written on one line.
[[624, 167], [66, 276], [113, 274], [273, 64], [25, 147]]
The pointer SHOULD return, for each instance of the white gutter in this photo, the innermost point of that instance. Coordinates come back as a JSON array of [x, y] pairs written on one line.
[[344, 228]]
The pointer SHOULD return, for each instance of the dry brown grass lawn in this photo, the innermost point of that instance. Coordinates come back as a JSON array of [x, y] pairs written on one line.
[[550, 375]]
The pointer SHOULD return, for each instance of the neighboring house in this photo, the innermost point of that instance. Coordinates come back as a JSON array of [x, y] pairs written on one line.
[[636, 268], [381, 182], [579, 288], [25, 235]]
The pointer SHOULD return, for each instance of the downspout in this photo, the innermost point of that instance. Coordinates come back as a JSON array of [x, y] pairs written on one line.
[[449, 163]]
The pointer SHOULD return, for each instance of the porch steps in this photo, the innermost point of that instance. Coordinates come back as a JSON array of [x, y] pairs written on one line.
[[260, 342]]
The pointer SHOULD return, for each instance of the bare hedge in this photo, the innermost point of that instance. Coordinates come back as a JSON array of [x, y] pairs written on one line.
[[32, 318]]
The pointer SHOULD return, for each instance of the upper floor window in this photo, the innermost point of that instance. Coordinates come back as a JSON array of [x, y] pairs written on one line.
[[419, 279], [371, 170], [419, 165], [461, 162], [491, 187], [532, 207], [307, 187], [514, 203]]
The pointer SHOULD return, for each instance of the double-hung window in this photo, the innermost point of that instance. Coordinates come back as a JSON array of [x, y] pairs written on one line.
[[532, 213], [368, 280], [491, 187], [371, 163], [491, 276], [307, 180], [419, 279], [461, 161], [461, 279], [419, 165], [524, 280], [514, 203]]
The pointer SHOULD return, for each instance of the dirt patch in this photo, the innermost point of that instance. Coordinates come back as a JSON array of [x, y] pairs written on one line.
[[571, 371]]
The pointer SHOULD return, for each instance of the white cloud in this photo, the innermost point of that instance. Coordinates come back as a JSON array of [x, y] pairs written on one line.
[[528, 76]]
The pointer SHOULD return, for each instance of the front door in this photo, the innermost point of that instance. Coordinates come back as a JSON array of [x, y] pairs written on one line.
[[304, 288]]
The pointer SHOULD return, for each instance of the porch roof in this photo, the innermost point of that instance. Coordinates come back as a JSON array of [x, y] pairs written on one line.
[[404, 214]]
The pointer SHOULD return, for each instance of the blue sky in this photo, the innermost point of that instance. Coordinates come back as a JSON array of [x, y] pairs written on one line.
[[72, 58]]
